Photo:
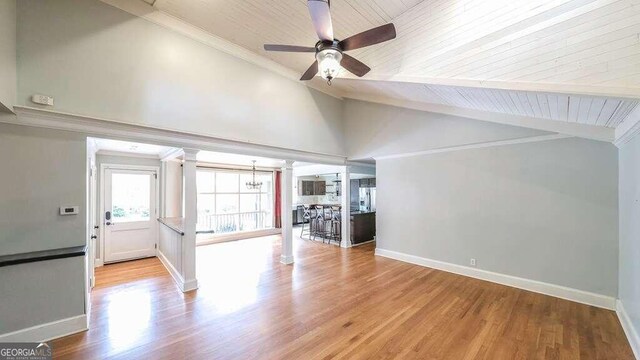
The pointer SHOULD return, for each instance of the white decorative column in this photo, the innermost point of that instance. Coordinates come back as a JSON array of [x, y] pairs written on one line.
[[286, 197], [190, 219], [345, 214]]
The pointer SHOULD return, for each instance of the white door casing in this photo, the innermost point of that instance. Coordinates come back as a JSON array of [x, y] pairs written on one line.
[[130, 201]]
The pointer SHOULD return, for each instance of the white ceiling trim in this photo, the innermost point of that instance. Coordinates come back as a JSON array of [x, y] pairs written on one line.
[[149, 13], [629, 128], [127, 154], [487, 144], [621, 93], [599, 133]]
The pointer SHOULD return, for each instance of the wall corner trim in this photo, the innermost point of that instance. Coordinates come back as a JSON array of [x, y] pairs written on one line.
[[49, 331], [629, 330], [580, 296]]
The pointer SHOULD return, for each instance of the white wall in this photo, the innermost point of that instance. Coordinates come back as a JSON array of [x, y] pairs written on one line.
[[99, 61], [173, 189], [629, 285], [42, 170], [374, 130], [546, 211], [8, 81]]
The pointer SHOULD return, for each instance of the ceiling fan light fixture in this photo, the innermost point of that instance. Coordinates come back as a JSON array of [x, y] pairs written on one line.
[[329, 63]]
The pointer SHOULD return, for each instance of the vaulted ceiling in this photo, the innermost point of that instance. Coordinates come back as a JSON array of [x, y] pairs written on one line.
[[571, 61]]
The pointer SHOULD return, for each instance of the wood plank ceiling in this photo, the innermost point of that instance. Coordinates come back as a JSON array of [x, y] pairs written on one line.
[[539, 43]]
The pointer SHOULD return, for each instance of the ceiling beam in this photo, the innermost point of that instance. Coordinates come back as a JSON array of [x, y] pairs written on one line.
[[592, 132], [622, 93]]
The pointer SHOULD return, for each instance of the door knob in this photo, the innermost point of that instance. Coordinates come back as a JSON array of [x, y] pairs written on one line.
[[93, 237]]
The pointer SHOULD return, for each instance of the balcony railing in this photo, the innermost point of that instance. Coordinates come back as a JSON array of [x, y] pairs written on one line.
[[228, 223]]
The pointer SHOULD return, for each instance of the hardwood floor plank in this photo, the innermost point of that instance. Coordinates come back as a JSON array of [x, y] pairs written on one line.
[[333, 303]]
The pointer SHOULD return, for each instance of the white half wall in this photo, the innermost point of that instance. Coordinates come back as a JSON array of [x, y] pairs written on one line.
[[100, 61], [544, 211], [8, 81], [629, 263]]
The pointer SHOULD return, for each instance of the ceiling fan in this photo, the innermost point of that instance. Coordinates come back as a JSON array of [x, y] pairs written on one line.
[[329, 51]]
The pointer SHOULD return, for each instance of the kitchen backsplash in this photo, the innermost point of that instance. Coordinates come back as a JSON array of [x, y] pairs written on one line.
[[319, 199]]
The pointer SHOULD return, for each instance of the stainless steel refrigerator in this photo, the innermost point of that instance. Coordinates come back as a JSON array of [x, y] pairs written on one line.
[[368, 199]]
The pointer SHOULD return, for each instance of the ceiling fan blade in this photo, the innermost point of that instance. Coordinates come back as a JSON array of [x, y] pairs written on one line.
[[355, 66], [288, 48], [321, 18], [369, 37], [311, 71]]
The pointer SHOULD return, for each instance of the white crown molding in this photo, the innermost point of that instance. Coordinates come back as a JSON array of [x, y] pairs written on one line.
[[119, 130], [629, 128], [629, 329], [592, 132], [127, 154], [145, 11], [523, 140], [48, 331], [580, 296]]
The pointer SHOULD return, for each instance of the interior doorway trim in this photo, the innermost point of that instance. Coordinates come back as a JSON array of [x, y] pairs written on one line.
[[101, 195]]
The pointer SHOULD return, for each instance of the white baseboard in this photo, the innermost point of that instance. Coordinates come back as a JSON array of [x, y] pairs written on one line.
[[48, 331], [584, 297], [629, 330], [183, 285]]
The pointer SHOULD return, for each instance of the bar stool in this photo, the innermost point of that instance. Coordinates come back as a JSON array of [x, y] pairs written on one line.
[[336, 224], [306, 219], [319, 228]]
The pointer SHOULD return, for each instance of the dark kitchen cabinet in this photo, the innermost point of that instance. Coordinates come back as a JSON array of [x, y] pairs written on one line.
[[306, 188], [319, 188], [310, 187], [368, 183]]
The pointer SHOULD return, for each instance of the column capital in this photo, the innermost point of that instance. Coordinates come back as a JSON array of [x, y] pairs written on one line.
[[190, 154], [287, 165]]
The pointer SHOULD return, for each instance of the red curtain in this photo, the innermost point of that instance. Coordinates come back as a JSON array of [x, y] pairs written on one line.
[[278, 202]]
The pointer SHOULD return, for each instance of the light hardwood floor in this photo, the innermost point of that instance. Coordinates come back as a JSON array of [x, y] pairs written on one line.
[[333, 303]]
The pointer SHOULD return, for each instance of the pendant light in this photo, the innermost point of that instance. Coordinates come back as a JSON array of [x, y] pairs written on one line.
[[252, 185]]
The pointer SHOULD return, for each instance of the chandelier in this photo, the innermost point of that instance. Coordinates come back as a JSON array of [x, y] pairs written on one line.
[[254, 184]]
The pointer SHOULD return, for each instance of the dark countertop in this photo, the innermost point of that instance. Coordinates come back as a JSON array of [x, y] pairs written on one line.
[[42, 255], [328, 205], [174, 223], [362, 212]]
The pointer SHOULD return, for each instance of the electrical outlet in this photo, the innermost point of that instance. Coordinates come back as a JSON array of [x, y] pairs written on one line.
[[472, 262], [42, 99]]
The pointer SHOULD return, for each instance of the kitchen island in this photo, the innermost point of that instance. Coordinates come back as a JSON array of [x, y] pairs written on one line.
[[363, 226]]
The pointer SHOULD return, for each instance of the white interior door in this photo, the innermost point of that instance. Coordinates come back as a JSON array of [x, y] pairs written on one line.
[[130, 221]]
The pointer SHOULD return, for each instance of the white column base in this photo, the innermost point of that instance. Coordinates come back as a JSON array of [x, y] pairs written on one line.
[[287, 260]]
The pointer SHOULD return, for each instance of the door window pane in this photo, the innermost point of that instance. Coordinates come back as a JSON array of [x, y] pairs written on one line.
[[130, 197]]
